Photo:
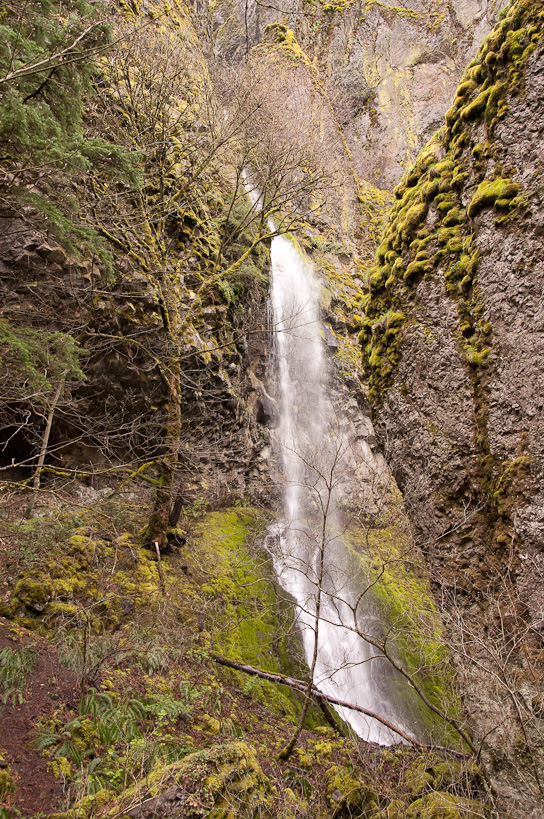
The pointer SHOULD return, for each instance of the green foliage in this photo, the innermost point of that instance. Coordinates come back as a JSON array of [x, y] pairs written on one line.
[[113, 737], [46, 71], [14, 666], [63, 221], [165, 708], [84, 656], [39, 358], [152, 661]]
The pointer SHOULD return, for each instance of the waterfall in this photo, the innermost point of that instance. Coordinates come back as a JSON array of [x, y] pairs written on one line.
[[310, 557]]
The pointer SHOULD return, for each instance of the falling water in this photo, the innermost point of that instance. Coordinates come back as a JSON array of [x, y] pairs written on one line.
[[314, 463]]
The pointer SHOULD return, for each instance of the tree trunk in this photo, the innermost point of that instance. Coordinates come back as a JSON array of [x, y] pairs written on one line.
[[43, 449], [302, 686], [157, 528]]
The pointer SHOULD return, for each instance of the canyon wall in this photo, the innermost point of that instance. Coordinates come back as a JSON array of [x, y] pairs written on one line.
[[453, 344], [389, 70]]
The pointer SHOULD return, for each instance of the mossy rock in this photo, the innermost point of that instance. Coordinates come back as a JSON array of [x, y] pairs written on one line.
[[492, 192], [442, 805], [33, 592], [414, 216], [81, 572], [220, 782], [349, 795], [458, 157]]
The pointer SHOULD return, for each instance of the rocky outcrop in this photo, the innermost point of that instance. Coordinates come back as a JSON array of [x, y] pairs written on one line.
[[226, 780], [148, 301], [453, 346]]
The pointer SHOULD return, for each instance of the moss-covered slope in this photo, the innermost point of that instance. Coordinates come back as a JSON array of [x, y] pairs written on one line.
[[144, 719]]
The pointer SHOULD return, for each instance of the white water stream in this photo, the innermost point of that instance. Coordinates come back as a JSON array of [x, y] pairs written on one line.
[[310, 557]]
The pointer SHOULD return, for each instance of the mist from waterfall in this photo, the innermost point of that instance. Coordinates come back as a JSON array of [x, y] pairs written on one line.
[[310, 557]]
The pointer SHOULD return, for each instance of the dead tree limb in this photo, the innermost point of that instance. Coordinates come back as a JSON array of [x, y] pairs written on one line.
[[300, 685]]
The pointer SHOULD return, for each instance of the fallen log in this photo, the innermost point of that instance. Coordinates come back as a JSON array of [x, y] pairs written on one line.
[[300, 685]]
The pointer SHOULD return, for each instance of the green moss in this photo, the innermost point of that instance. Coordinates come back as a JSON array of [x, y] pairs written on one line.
[[454, 216], [480, 150], [430, 772], [85, 573], [442, 805], [417, 269], [7, 783], [481, 100], [466, 88], [250, 618], [220, 782], [284, 40], [429, 189], [489, 192], [405, 601], [444, 203], [446, 235], [347, 794], [476, 358], [476, 107], [412, 219], [33, 592]]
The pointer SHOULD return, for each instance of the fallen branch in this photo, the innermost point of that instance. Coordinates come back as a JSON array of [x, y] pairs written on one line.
[[300, 685]]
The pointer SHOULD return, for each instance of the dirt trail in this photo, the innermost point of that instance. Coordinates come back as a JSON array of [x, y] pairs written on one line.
[[49, 685]]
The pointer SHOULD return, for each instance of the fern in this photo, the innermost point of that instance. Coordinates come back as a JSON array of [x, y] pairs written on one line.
[[95, 703], [14, 666], [166, 708], [153, 660]]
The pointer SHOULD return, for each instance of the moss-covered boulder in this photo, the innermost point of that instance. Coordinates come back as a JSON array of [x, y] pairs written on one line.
[[220, 782], [442, 805], [348, 795], [85, 573]]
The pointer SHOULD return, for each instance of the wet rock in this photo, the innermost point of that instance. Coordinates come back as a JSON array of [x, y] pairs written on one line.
[[267, 412]]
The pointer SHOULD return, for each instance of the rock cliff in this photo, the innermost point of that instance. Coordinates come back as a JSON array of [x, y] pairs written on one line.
[[134, 408], [388, 69], [453, 347]]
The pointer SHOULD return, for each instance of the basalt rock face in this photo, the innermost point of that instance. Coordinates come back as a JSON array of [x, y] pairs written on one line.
[[453, 340], [117, 412], [391, 70], [149, 302], [388, 69]]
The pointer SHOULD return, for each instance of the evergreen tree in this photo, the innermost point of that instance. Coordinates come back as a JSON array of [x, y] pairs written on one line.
[[48, 64]]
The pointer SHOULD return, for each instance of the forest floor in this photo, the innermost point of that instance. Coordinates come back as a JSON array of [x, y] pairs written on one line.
[[122, 681]]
